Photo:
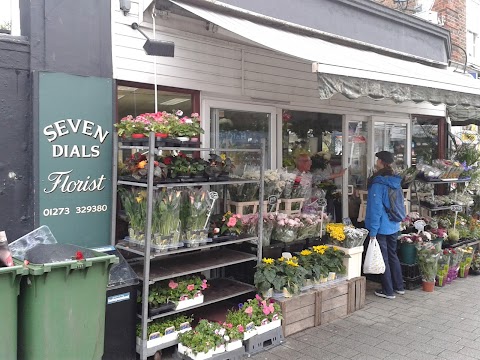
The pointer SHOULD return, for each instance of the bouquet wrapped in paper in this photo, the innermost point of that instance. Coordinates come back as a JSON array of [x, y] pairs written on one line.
[[250, 223], [273, 184], [427, 257], [443, 266], [195, 214], [286, 228], [297, 185], [166, 219], [311, 226], [247, 191], [354, 237]]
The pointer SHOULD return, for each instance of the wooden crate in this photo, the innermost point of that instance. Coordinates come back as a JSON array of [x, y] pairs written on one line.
[[250, 207], [331, 303], [286, 206], [298, 312], [356, 294]]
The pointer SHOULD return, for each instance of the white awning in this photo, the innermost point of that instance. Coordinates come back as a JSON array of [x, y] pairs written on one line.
[[352, 71]]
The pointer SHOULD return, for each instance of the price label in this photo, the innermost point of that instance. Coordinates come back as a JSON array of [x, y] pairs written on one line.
[[456, 208], [272, 200], [213, 195]]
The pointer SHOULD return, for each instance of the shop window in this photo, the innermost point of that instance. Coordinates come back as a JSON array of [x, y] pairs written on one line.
[[312, 132], [235, 129], [424, 141], [135, 101]]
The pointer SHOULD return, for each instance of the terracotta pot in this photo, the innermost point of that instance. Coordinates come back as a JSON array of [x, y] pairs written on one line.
[[138, 136], [428, 286], [161, 135]]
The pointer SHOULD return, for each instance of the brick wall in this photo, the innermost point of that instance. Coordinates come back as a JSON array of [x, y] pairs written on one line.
[[454, 17]]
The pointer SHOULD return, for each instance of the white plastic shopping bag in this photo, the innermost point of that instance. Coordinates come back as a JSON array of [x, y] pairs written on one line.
[[374, 263]]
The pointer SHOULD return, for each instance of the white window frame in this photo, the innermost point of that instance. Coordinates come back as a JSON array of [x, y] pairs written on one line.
[[209, 104]]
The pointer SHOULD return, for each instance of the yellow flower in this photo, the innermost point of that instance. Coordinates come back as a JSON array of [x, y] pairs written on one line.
[[320, 249], [268, 261], [292, 263], [305, 252], [294, 258], [281, 259], [139, 199], [335, 248], [223, 157], [142, 164]]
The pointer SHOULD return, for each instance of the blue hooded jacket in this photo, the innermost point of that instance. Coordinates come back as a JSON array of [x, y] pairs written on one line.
[[376, 219]]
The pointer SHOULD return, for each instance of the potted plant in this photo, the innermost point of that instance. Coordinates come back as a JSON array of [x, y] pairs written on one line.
[[286, 227], [135, 206], [442, 268], [241, 321], [195, 215], [197, 168], [180, 167], [199, 343], [229, 227], [164, 330], [265, 314], [334, 262], [293, 274], [196, 128], [467, 257], [321, 269], [267, 278], [136, 128], [158, 301], [427, 256], [159, 125]]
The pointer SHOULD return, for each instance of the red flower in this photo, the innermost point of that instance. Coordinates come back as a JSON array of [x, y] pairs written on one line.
[[181, 154], [79, 256], [167, 160]]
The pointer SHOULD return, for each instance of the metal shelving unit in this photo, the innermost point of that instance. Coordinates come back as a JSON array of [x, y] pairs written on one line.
[[184, 261]]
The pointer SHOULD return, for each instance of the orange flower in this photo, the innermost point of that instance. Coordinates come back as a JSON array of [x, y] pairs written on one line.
[[142, 164]]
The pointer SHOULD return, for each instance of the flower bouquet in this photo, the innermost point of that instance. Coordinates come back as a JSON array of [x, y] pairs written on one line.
[[455, 259], [336, 233], [354, 237], [467, 257], [297, 185], [134, 203], [166, 220], [273, 184], [250, 224], [427, 257], [443, 266], [194, 215], [227, 227], [310, 228], [247, 191], [286, 228]]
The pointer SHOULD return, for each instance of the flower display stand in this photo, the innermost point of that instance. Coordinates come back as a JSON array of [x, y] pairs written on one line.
[[298, 312], [354, 262], [287, 204], [250, 207]]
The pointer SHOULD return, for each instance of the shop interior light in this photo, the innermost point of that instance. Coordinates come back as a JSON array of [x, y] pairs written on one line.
[[156, 47], [174, 101]]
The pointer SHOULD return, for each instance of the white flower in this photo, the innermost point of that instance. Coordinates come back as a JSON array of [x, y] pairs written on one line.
[[179, 113], [221, 332], [227, 338]]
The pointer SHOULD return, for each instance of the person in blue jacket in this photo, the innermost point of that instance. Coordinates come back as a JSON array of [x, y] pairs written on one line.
[[379, 225]]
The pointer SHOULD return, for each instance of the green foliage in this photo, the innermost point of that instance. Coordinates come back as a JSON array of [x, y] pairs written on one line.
[[161, 325]]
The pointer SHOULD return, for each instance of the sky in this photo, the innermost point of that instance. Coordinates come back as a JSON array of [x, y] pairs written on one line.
[[4, 11]]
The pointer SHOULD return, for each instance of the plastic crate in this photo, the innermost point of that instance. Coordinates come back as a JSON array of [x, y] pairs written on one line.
[[412, 283], [264, 341], [410, 271]]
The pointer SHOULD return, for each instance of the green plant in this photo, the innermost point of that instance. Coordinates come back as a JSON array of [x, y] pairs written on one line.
[[180, 166], [427, 258], [453, 235], [161, 325], [195, 210], [334, 260], [467, 154], [166, 210], [231, 223], [293, 274], [198, 166], [314, 264], [267, 276], [135, 206], [130, 125]]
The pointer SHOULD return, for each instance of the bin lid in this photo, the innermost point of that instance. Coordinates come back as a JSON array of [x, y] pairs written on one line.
[[121, 274], [51, 253]]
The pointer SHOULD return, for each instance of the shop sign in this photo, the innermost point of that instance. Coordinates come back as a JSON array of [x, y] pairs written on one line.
[[75, 158]]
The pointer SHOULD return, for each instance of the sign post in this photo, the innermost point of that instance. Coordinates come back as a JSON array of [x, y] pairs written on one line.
[[74, 151], [456, 209]]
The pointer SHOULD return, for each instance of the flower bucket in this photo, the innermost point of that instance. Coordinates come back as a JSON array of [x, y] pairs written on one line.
[[408, 253], [428, 286], [463, 271]]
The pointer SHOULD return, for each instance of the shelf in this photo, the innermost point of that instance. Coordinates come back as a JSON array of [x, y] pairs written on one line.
[[193, 262], [439, 182], [170, 148], [440, 208], [187, 249], [219, 290], [188, 184]]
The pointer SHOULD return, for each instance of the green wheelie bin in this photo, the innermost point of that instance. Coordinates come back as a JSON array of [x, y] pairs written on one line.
[[62, 308], [9, 288]]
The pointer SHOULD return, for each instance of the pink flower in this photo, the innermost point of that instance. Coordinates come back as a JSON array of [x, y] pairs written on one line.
[[232, 222], [249, 311], [266, 310], [240, 328], [271, 308], [179, 113], [216, 230], [190, 287], [229, 325], [195, 115], [258, 297], [204, 286], [172, 284]]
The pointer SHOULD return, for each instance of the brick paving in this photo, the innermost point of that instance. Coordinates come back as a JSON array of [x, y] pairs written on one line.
[[444, 324]]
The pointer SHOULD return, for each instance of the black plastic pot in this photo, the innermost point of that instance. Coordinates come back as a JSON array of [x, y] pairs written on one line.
[[152, 311]]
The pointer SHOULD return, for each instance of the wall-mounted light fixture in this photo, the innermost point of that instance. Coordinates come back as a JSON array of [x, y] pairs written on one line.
[[156, 47]]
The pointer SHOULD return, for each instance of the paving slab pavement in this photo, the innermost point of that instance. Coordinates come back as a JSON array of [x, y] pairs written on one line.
[[444, 324]]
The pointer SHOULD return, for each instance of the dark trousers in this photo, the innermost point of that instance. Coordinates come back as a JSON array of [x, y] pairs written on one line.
[[392, 278]]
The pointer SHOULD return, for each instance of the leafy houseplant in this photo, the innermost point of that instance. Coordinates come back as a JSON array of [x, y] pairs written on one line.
[[427, 256], [180, 167], [159, 326], [195, 215], [135, 205], [293, 274], [267, 277], [166, 219]]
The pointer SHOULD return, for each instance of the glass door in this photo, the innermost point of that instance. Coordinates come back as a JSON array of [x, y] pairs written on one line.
[[355, 159], [392, 135]]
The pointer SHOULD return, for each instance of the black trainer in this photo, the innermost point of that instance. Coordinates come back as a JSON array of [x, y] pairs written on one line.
[[380, 293]]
